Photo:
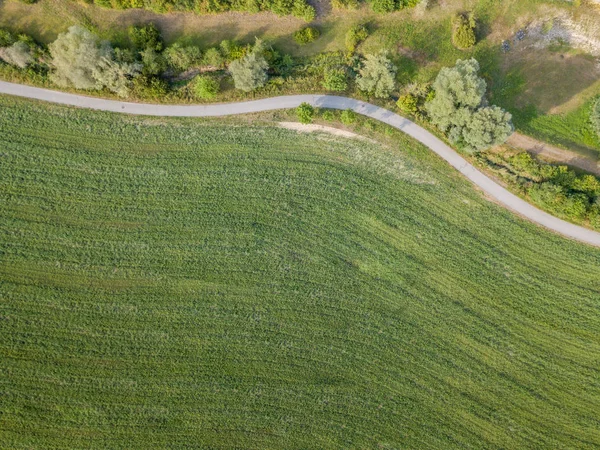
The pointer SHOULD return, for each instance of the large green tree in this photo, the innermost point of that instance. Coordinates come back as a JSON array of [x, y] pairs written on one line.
[[458, 109]]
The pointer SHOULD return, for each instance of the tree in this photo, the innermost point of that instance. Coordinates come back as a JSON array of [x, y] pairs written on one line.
[[182, 57], [488, 127], [18, 54], [458, 92], [250, 72], [377, 76], [463, 35], [153, 62], [305, 113], [76, 55], [206, 88], [335, 80]]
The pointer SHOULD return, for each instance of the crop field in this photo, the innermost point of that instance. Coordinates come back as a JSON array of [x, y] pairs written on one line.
[[179, 283]]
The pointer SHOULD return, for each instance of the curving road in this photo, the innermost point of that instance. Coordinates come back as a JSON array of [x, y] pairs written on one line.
[[486, 184]]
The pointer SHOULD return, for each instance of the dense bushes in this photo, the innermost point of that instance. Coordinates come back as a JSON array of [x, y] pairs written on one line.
[[463, 34], [335, 80], [306, 35], [386, 6], [556, 189], [297, 8]]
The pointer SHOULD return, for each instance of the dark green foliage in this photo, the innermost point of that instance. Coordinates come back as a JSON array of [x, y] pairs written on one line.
[[154, 62], [355, 36], [335, 80], [192, 283], [305, 113], [463, 35], [6, 38], [554, 199], [145, 37], [306, 35], [205, 87]]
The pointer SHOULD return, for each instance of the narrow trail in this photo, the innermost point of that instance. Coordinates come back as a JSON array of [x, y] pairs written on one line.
[[486, 184]]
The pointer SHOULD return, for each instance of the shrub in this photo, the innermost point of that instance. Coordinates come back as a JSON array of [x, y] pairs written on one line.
[[116, 76], [335, 80], [206, 88], [463, 35], [588, 184], [553, 198], [305, 113], [328, 115], [6, 38], [408, 103], [182, 58], [146, 37], [17, 54], [348, 117], [250, 72], [306, 35], [355, 36], [376, 77]]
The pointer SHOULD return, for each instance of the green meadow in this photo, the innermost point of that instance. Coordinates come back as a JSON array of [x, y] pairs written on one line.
[[216, 284]]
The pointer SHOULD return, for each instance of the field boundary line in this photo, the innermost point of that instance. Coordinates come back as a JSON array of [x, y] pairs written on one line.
[[478, 178]]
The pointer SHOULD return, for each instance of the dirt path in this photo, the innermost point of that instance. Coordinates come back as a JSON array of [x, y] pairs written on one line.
[[479, 179], [554, 154]]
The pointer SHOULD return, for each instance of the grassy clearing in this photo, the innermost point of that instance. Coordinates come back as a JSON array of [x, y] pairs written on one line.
[[215, 284]]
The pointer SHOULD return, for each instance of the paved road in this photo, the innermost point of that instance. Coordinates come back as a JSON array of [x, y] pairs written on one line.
[[485, 183]]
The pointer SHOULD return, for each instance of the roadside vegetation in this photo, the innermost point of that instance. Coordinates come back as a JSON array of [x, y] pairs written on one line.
[[230, 283]]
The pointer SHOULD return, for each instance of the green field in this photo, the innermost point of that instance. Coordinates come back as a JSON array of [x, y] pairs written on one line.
[[179, 283]]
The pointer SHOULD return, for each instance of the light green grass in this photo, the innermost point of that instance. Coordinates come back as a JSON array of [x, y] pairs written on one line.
[[212, 284]]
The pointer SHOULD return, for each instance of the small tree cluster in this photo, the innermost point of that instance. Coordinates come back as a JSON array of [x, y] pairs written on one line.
[[463, 34], [146, 37], [355, 36], [306, 35], [377, 76], [457, 109]]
